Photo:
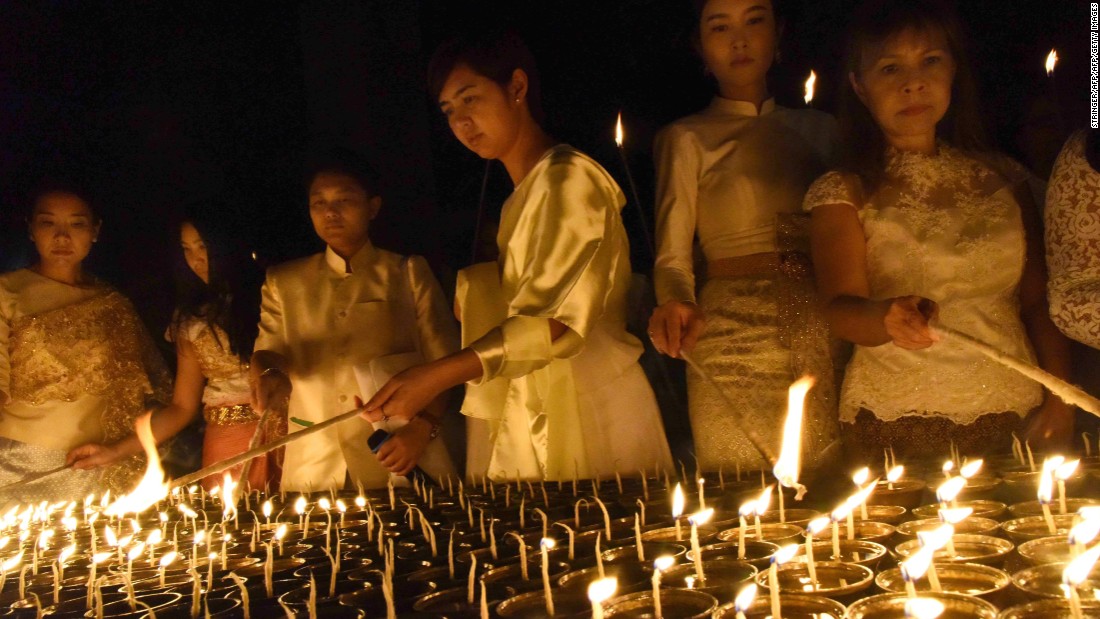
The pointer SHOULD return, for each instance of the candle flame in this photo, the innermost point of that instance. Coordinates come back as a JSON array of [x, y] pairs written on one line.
[[677, 502], [602, 589], [151, 488], [784, 554], [135, 551], [547, 543], [810, 81], [950, 489], [916, 565], [956, 515], [1066, 470], [854, 501], [702, 517], [861, 476], [266, 509], [1078, 569], [936, 538], [971, 468], [788, 465], [663, 563], [947, 467], [66, 554], [619, 130], [745, 598], [764, 501], [280, 533], [747, 509], [1085, 531], [11, 563], [817, 525], [895, 473], [360, 501], [923, 608], [100, 557], [109, 535], [1046, 481], [1052, 60], [300, 505], [168, 558], [341, 506]]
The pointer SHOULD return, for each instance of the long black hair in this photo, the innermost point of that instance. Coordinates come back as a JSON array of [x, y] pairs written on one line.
[[863, 144], [231, 301]]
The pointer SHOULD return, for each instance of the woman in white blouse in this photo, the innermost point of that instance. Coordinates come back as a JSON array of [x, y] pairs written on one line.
[[733, 175], [922, 223]]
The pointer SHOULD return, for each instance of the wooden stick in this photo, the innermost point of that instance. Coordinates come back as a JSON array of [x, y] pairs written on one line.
[[733, 409], [1071, 394], [257, 436], [34, 477], [218, 467]]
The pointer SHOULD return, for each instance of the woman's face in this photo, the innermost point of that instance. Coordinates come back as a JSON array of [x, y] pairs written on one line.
[[485, 116], [906, 84], [63, 229], [194, 252], [738, 39]]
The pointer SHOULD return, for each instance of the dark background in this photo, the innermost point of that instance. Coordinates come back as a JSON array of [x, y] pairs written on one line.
[[166, 104]]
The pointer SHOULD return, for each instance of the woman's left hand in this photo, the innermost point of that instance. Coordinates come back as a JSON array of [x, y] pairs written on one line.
[[1051, 425], [405, 395], [401, 453], [91, 456]]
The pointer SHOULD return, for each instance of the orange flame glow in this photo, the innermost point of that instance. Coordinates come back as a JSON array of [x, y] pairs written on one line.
[[619, 130], [788, 465], [1052, 60], [151, 488], [810, 81]]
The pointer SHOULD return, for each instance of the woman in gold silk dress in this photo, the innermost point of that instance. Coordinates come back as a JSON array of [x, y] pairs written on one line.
[[76, 364], [554, 382]]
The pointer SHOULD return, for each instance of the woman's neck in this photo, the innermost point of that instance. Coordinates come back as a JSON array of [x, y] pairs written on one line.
[[530, 145], [924, 144], [64, 273], [755, 94]]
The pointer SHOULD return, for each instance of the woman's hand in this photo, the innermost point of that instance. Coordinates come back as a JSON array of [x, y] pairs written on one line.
[[406, 394], [401, 453], [271, 390], [91, 456], [675, 327], [906, 322], [1050, 426]]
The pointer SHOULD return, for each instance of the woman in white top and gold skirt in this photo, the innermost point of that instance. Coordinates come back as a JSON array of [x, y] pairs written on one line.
[[732, 176]]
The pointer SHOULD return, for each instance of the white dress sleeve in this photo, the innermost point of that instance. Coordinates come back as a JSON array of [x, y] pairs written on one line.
[[678, 162]]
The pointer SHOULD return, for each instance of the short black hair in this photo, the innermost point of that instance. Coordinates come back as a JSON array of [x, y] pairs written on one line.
[[346, 161], [64, 185], [495, 54]]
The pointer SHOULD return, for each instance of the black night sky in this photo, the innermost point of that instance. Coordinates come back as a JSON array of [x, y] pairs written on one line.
[[165, 104]]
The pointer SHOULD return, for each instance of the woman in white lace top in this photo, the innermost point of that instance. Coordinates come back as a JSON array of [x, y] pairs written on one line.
[[1073, 238], [922, 223]]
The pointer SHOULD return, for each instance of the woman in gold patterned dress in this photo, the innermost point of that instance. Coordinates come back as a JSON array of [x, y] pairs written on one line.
[[214, 329], [76, 364]]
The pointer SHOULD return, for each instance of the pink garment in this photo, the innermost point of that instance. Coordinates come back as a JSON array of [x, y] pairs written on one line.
[[224, 442]]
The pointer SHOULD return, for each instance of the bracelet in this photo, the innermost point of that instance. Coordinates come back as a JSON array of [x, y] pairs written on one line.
[[272, 370], [431, 421]]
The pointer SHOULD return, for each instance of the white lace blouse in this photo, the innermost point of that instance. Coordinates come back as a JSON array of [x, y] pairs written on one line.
[[1073, 243], [946, 227]]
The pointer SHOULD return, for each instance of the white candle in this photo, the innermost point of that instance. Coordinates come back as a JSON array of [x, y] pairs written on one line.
[[638, 539], [546, 544], [660, 565], [470, 581], [484, 604]]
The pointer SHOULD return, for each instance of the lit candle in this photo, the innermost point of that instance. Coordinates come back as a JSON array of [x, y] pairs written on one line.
[[745, 510], [954, 516], [166, 560], [932, 541], [660, 565], [860, 477], [546, 544], [788, 466], [813, 528], [598, 592], [1082, 533], [810, 82], [780, 557], [893, 476], [1046, 490], [1062, 473], [913, 568], [949, 490], [677, 509], [697, 519], [1074, 574], [923, 608], [971, 468], [744, 600]]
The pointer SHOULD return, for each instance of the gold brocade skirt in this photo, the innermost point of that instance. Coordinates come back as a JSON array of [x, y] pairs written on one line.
[[754, 359]]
